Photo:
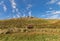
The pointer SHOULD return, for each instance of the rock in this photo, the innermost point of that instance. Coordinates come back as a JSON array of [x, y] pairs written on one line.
[[30, 26]]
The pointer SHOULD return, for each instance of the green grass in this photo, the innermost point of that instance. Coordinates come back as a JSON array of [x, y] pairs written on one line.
[[42, 35], [33, 37]]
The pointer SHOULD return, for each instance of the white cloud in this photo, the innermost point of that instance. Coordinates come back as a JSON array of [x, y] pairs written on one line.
[[23, 15], [15, 9], [4, 6], [45, 15], [8, 17], [52, 1], [58, 3], [13, 3], [54, 14], [29, 6], [30, 13], [53, 17], [1, 2], [50, 8], [27, 9], [18, 15], [50, 12]]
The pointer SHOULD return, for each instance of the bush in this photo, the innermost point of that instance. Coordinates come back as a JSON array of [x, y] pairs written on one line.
[[30, 26]]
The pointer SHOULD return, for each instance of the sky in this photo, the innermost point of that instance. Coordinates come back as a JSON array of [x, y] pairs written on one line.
[[48, 9]]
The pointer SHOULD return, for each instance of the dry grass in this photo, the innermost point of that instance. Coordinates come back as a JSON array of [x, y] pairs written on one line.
[[43, 30]]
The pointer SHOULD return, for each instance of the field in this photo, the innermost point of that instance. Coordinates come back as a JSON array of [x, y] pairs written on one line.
[[32, 36], [18, 29]]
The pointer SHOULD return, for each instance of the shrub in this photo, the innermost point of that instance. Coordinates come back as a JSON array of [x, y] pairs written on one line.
[[30, 26]]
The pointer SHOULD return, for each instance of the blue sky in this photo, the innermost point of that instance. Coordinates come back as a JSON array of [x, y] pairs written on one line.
[[49, 9]]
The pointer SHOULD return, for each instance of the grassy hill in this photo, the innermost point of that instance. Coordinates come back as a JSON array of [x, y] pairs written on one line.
[[24, 22], [29, 29]]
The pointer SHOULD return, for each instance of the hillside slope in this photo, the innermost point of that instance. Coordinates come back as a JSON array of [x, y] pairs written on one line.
[[26, 25], [29, 29], [24, 22]]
